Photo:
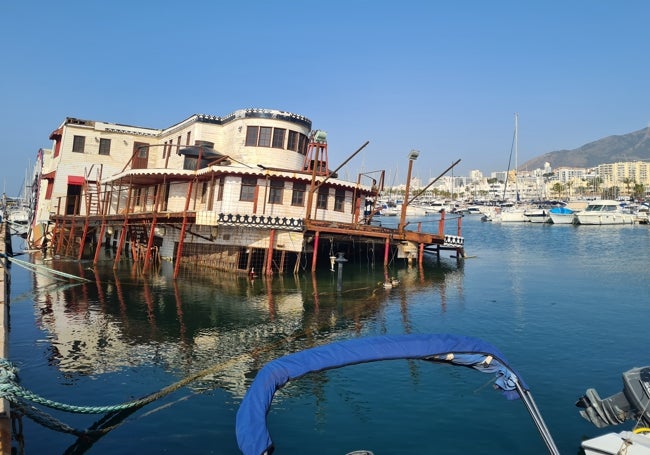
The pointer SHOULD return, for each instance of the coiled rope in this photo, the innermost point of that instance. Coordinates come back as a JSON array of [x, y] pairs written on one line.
[[23, 399]]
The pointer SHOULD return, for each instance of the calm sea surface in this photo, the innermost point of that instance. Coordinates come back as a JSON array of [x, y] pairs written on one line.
[[568, 306]]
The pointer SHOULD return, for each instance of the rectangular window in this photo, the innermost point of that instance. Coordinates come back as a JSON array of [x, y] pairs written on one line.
[[302, 145], [278, 138], [292, 142], [247, 192], [204, 192], [298, 194], [276, 191], [220, 191], [251, 135], [321, 202], [187, 139], [265, 136], [78, 144], [104, 146], [339, 200]]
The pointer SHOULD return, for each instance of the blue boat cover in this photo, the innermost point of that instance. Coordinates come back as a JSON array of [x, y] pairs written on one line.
[[561, 210], [252, 433]]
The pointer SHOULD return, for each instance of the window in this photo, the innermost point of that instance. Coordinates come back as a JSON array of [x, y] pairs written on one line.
[[275, 191], [187, 139], [292, 143], [302, 145], [298, 195], [278, 138], [247, 192], [339, 200], [104, 146], [204, 192], [321, 202], [251, 136], [220, 191], [265, 136], [78, 144], [143, 151]]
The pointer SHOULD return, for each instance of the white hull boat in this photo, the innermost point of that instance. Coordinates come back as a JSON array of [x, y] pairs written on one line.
[[513, 215], [562, 215], [537, 216], [604, 212]]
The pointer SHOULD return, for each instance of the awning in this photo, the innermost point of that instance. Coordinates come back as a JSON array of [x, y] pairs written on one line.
[[75, 180], [56, 134]]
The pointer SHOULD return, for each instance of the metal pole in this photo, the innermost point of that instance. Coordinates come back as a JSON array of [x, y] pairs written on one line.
[[405, 202]]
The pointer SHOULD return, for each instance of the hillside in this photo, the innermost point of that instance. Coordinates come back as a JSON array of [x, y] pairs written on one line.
[[628, 147]]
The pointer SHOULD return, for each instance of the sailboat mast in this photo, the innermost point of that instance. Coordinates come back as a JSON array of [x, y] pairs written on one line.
[[516, 155]]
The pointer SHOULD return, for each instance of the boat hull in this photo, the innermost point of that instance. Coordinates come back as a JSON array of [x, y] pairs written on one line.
[[605, 218], [563, 218]]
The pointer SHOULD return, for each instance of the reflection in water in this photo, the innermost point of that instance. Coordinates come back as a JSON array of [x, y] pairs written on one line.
[[124, 320]]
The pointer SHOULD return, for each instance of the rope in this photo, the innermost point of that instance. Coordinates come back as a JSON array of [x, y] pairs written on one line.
[[21, 397], [43, 269]]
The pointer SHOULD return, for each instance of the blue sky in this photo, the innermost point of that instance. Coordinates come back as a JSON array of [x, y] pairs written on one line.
[[442, 77]]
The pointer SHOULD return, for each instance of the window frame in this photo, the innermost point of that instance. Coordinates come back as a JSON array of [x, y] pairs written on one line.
[[104, 146], [78, 144], [298, 194], [339, 200], [247, 189], [277, 141], [322, 197], [276, 191]]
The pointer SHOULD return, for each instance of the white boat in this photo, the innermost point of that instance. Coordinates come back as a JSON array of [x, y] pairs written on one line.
[[604, 211], [473, 210], [516, 213], [18, 221], [513, 215], [562, 215], [17, 215], [537, 215], [412, 210], [632, 403], [436, 207]]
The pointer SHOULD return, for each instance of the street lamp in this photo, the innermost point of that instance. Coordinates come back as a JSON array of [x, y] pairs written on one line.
[[413, 155]]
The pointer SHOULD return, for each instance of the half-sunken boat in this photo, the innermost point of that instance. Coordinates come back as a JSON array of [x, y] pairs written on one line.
[[252, 192]]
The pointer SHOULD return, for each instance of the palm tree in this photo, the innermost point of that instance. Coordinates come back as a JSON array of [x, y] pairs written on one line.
[[628, 181], [569, 184], [557, 188]]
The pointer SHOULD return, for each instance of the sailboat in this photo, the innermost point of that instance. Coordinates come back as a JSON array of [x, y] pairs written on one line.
[[516, 213]]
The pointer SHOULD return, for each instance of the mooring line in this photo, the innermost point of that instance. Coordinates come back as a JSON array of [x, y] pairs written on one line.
[[44, 269]]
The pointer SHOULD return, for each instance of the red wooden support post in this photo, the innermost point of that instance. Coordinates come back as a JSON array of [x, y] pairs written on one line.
[[315, 253], [441, 223], [102, 232], [421, 252], [386, 251], [269, 257]]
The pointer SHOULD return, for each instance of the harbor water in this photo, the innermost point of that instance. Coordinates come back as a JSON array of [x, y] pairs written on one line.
[[566, 305]]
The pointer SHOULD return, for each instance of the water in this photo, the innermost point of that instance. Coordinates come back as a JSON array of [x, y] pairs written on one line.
[[566, 305]]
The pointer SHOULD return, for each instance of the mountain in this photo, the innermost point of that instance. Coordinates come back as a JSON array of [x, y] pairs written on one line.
[[627, 147]]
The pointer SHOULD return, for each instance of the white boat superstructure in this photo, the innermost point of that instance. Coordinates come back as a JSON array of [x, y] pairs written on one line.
[[604, 211]]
